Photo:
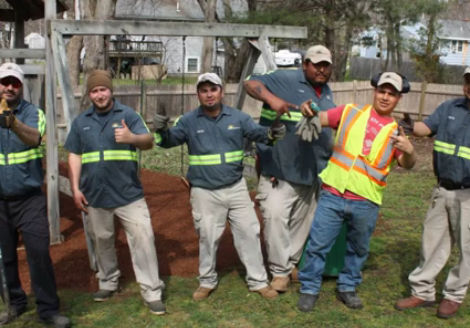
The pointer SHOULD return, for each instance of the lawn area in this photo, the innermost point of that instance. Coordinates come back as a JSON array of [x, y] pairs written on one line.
[[394, 253]]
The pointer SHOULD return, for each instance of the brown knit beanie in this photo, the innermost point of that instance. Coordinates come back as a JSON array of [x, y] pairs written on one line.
[[100, 78]]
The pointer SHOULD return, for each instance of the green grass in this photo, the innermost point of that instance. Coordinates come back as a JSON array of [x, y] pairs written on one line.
[[394, 253]]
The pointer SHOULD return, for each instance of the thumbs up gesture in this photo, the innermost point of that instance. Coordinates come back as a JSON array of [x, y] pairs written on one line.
[[401, 141], [123, 135]]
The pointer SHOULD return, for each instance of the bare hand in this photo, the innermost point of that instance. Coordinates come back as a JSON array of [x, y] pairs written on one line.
[[80, 201], [123, 135], [306, 109], [281, 106], [401, 142]]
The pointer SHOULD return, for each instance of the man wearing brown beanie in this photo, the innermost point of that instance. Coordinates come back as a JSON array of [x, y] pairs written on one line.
[[103, 175]]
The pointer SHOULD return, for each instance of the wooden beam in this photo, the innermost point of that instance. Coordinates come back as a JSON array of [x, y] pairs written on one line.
[[116, 27], [52, 172], [23, 53], [247, 70]]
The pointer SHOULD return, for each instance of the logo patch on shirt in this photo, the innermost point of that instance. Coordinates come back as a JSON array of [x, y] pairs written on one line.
[[301, 90], [116, 125], [232, 127], [450, 117], [86, 128], [200, 131]]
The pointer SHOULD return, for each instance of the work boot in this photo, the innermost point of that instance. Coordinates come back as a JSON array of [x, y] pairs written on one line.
[[350, 299], [202, 293], [267, 292], [411, 303], [447, 309], [156, 307], [280, 284], [103, 295], [8, 316], [57, 321], [306, 302]]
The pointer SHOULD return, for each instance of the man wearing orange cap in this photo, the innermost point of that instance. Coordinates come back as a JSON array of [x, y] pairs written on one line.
[[102, 146]]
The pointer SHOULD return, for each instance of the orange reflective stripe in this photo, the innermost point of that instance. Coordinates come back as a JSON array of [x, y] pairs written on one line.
[[364, 172], [386, 148]]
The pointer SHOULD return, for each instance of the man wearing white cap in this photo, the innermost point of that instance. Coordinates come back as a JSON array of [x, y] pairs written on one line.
[[367, 143], [448, 218], [22, 203], [288, 171], [215, 134]]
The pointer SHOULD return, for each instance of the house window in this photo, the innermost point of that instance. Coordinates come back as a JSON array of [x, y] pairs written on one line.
[[456, 46], [192, 65]]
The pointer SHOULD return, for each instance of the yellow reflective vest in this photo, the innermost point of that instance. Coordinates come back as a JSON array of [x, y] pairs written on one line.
[[348, 168]]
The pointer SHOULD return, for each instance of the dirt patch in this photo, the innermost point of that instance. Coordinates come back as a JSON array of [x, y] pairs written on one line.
[[176, 239]]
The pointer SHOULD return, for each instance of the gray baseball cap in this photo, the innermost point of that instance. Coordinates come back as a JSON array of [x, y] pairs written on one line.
[[391, 78], [318, 53], [209, 77]]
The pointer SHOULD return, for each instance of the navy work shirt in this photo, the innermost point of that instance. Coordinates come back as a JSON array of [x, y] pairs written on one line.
[[109, 176], [291, 158], [215, 145], [20, 165], [450, 123]]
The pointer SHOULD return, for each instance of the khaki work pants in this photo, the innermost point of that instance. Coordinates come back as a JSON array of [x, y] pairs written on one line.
[[447, 222], [211, 209], [135, 219], [288, 214]]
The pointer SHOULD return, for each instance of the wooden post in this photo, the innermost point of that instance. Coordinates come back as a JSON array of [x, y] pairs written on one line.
[[19, 33], [52, 172], [422, 99], [247, 70]]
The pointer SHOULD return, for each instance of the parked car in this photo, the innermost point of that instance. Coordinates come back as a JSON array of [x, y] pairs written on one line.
[[285, 57]]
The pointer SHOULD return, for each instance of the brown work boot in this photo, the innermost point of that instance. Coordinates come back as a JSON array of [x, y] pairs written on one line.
[[280, 284], [412, 302], [267, 292], [447, 309], [294, 275], [202, 293]]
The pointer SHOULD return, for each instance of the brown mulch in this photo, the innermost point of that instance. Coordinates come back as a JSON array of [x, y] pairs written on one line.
[[176, 239]]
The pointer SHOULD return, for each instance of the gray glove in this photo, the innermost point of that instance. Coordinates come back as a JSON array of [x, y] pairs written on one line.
[[309, 128], [276, 131], [160, 122]]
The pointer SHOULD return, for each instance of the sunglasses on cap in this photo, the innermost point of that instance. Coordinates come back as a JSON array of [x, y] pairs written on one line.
[[15, 83]]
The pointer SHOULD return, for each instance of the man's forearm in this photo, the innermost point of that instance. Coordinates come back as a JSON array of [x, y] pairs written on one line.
[[75, 169], [30, 136], [143, 141]]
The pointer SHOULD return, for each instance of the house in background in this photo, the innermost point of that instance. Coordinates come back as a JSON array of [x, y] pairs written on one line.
[[454, 37]]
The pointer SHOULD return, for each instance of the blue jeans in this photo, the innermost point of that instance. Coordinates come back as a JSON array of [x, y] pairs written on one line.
[[331, 212]]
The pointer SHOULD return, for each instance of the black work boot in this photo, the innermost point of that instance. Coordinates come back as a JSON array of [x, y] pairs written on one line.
[[307, 302], [350, 299]]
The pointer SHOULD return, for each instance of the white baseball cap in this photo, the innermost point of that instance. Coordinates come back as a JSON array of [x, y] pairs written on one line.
[[467, 71], [391, 78], [11, 69], [318, 53], [209, 77]]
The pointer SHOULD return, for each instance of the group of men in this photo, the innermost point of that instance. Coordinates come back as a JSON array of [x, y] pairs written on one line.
[[309, 187]]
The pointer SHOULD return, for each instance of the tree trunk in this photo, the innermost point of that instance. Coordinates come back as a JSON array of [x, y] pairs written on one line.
[[74, 48], [208, 8]]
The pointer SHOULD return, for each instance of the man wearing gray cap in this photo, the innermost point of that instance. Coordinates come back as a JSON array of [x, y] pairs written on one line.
[[22, 203], [448, 217], [214, 133], [367, 143], [288, 171]]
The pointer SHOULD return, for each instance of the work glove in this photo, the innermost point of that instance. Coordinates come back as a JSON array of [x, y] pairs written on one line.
[[160, 122], [7, 118], [407, 123], [309, 128], [276, 131]]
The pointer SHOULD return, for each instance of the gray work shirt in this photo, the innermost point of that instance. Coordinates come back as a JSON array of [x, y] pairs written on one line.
[[109, 176], [215, 145], [292, 159]]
